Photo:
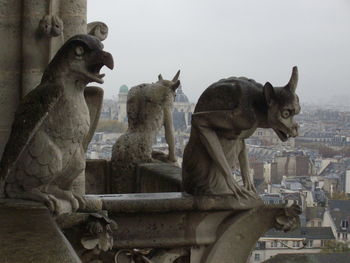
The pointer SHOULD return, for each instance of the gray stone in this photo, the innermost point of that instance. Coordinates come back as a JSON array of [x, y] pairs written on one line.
[[25, 53], [210, 228], [91, 235], [158, 177], [97, 176], [28, 233], [149, 107], [46, 150], [228, 112], [98, 29]]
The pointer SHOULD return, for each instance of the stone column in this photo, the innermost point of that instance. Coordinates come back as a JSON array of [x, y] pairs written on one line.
[[39, 47], [25, 50], [73, 14], [35, 44], [10, 66]]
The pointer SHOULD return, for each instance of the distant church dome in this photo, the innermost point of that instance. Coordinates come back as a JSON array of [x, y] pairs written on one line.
[[180, 96], [123, 89]]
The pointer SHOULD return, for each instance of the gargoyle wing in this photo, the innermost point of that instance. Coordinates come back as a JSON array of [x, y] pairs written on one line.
[[94, 99], [30, 115]]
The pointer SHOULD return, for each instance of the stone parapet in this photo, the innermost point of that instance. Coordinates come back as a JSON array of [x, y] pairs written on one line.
[[210, 228], [158, 177]]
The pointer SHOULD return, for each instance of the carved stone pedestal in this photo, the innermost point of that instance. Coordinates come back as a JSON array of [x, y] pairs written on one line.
[[201, 229]]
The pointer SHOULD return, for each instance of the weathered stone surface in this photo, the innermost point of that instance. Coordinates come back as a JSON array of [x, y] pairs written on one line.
[[149, 107], [28, 233], [158, 177], [9, 98], [98, 29], [73, 14], [45, 153], [228, 112], [90, 234], [96, 176], [170, 202], [10, 66], [10, 44], [213, 228]]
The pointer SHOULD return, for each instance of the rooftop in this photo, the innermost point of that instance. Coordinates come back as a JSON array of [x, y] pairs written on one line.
[[180, 96], [310, 258], [340, 210], [303, 232], [123, 89]]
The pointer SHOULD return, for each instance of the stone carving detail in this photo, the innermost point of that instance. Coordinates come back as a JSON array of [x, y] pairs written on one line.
[[45, 152], [228, 112], [91, 235], [98, 29], [51, 26], [150, 255], [149, 107], [288, 219]]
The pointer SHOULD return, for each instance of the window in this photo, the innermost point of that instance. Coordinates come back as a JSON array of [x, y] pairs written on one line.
[[256, 257], [319, 223], [345, 236], [344, 224], [310, 243], [323, 243], [274, 243], [296, 243]]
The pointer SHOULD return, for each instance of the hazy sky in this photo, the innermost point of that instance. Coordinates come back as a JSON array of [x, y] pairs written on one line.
[[209, 40]]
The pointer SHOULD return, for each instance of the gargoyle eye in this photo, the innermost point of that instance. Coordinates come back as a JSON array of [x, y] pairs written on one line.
[[79, 51], [286, 114]]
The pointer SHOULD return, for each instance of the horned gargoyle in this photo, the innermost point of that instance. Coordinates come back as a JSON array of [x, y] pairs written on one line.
[[53, 124], [228, 112]]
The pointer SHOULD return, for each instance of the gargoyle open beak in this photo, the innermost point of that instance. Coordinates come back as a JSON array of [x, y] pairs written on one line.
[[108, 60], [94, 69], [285, 136]]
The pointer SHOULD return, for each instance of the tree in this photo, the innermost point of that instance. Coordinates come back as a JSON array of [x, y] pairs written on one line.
[[333, 246], [340, 196]]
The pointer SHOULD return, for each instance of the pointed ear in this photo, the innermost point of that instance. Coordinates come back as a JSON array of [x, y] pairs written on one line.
[[269, 93], [175, 85], [160, 77], [293, 82], [176, 77]]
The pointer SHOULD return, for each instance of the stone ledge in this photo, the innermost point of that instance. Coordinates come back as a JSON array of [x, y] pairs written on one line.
[[158, 177], [28, 233], [171, 202]]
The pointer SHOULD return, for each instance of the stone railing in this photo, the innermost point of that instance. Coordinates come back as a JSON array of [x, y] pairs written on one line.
[[149, 177]]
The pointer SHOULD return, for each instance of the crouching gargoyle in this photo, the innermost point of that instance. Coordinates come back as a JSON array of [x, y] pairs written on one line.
[[228, 112], [149, 107], [45, 153]]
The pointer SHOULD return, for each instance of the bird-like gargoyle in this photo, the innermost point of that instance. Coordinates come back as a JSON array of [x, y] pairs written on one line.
[[228, 112], [46, 149]]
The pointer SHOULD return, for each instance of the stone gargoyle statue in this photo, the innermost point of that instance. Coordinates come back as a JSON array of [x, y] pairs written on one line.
[[149, 107], [228, 112], [46, 149]]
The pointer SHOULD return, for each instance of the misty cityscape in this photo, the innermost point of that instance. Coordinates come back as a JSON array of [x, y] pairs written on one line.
[[164, 131], [313, 169]]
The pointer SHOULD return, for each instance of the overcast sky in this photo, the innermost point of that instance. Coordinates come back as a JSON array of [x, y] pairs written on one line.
[[209, 40]]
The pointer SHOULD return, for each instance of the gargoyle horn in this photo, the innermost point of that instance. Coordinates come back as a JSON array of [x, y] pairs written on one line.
[[293, 82], [160, 77], [176, 77]]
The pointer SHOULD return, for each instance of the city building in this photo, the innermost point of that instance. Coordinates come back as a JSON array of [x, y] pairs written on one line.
[[337, 216], [302, 240]]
